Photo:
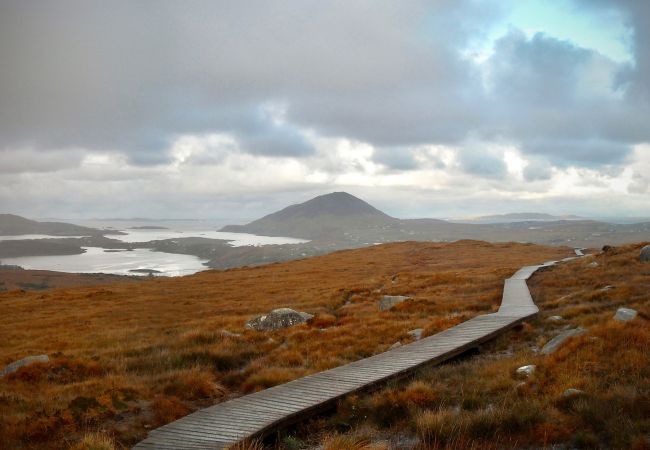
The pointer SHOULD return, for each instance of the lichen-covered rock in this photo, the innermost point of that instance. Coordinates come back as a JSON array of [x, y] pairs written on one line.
[[645, 254], [572, 392], [23, 362], [416, 334], [526, 371], [555, 343], [389, 301], [278, 318], [625, 314]]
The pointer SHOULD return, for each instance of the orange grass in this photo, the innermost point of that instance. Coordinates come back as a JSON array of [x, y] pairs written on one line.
[[129, 357], [479, 402]]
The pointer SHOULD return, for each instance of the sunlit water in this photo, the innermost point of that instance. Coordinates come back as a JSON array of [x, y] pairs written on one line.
[[97, 260], [34, 236]]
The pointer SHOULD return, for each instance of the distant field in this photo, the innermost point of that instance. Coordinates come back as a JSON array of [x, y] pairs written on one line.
[[39, 280], [129, 357]]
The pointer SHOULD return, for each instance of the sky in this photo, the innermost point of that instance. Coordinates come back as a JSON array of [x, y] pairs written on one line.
[[213, 109]]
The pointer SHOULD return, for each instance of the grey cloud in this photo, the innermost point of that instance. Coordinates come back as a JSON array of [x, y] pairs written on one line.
[[480, 162], [132, 76]]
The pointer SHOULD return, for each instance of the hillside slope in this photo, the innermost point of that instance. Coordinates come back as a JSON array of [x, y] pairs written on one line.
[[12, 225], [128, 357], [321, 217]]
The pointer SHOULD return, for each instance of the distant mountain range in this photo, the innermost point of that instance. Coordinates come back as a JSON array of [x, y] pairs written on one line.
[[12, 225], [520, 217]]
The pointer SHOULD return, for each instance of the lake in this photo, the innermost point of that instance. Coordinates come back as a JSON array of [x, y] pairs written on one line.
[[97, 260]]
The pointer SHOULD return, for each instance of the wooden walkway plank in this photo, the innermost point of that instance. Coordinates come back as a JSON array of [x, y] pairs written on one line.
[[260, 413]]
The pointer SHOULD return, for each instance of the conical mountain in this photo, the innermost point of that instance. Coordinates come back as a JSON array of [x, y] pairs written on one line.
[[324, 216]]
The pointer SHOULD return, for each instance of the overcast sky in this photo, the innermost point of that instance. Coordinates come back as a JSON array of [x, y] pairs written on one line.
[[210, 109]]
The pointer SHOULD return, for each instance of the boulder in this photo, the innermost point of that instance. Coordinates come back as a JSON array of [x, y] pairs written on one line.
[[526, 371], [571, 392], [416, 334], [554, 319], [625, 314], [14, 366], [388, 301], [645, 254], [555, 343], [278, 318]]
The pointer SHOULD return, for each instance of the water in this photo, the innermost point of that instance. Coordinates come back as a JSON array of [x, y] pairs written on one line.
[[97, 260], [34, 236], [237, 239]]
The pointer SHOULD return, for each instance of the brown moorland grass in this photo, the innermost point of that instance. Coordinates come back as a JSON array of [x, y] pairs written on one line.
[[479, 402], [129, 357]]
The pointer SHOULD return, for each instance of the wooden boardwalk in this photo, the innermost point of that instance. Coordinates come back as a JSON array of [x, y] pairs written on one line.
[[261, 413]]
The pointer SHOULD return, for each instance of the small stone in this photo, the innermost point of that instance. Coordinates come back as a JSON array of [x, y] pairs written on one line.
[[14, 366], [416, 334], [592, 264], [555, 343], [526, 370], [609, 287], [571, 392], [395, 345], [644, 256], [555, 319], [388, 301], [625, 314], [226, 333]]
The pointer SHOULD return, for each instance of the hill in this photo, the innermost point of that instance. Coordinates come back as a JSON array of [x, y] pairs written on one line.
[[324, 216], [12, 225], [522, 217], [129, 357]]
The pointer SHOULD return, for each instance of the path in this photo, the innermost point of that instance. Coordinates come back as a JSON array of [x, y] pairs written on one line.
[[261, 413]]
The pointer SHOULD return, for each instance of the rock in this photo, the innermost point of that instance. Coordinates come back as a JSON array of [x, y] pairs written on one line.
[[645, 254], [395, 345], [526, 370], [555, 343], [592, 264], [609, 287], [388, 301], [230, 334], [416, 334], [625, 314], [554, 319], [14, 366], [278, 318], [571, 392]]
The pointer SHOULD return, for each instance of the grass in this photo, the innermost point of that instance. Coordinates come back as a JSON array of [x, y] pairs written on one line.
[[128, 357], [480, 402]]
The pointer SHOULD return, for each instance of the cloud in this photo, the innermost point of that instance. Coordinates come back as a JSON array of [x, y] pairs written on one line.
[[202, 96]]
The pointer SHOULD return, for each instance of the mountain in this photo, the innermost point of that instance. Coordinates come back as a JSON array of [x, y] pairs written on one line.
[[12, 225], [521, 217], [321, 217]]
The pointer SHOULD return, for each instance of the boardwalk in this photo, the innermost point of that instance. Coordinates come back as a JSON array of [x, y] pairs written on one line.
[[261, 413]]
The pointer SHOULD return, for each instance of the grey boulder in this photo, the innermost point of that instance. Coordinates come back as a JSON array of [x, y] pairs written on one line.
[[555, 343], [416, 334], [625, 314], [14, 366], [277, 319], [389, 301], [645, 254]]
